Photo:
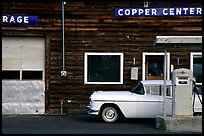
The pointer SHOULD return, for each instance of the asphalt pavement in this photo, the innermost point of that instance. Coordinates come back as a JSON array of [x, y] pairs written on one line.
[[77, 124]]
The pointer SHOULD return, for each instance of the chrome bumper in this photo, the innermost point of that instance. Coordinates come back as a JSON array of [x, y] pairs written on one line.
[[91, 111]]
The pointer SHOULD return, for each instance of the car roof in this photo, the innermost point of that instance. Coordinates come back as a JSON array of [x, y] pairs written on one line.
[[156, 82]]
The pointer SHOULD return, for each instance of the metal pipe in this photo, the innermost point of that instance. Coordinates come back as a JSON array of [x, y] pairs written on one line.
[[61, 107], [164, 99], [63, 60]]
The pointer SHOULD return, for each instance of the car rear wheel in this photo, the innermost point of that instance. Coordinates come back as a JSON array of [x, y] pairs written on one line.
[[109, 114]]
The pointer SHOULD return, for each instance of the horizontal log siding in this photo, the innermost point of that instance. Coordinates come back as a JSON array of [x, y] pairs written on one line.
[[92, 27]]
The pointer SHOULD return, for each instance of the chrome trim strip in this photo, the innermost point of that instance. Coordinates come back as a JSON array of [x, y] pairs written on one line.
[[122, 101]]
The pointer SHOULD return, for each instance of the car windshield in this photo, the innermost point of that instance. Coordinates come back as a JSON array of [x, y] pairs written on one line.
[[138, 89]]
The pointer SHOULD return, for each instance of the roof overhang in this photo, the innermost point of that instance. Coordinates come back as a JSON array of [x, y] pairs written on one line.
[[172, 40]]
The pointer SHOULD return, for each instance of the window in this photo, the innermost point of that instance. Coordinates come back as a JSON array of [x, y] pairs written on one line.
[[196, 67], [10, 74], [139, 89], [103, 68], [153, 90], [35, 75], [22, 75], [157, 90], [153, 66]]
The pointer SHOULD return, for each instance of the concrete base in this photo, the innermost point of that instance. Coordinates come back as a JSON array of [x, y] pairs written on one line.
[[179, 124]]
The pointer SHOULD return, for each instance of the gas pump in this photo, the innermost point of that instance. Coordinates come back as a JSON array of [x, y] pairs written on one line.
[[182, 81]]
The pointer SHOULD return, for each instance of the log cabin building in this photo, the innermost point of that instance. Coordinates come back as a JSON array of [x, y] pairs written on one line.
[[75, 48]]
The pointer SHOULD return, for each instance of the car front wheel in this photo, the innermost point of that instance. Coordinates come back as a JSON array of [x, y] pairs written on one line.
[[109, 114]]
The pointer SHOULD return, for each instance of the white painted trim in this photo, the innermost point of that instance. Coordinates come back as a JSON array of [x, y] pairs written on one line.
[[100, 53], [191, 58], [179, 36], [177, 39], [155, 53], [191, 61]]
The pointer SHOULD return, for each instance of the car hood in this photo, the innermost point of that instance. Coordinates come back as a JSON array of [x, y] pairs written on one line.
[[113, 95]]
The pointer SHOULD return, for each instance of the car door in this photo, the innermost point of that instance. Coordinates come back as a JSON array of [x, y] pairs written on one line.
[[151, 104]]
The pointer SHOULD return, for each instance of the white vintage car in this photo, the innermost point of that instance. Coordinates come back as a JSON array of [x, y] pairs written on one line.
[[143, 101]]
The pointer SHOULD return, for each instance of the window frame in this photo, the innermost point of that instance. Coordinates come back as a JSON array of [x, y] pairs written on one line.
[[86, 54], [192, 54], [156, 54]]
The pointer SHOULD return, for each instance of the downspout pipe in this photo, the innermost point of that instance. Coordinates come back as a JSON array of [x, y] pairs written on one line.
[[63, 72], [165, 78], [63, 36]]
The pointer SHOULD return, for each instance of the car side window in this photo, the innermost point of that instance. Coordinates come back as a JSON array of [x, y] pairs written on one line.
[[139, 89], [157, 90], [153, 89], [168, 90]]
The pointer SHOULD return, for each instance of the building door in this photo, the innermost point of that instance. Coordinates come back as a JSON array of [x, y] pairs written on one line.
[[23, 82]]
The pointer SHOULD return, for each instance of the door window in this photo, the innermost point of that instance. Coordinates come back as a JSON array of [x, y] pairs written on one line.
[[153, 66]]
